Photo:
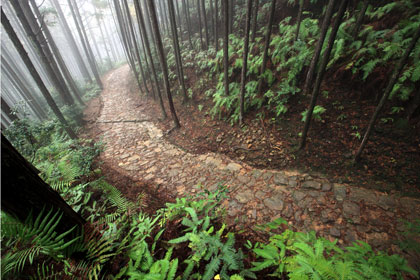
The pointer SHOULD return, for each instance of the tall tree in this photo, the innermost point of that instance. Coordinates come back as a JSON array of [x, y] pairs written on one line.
[[84, 39], [23, 191], [162, 61], [216, 20], [63, 67], [394, 78], [28, 23], [187, 20], [321, 70], [176, 49], [140, 19], [69, 36], [245, 60], [299, 18], [254, 20], [359, 19], [226, 46], [324, 29], [31, 68], [203, 8], [267, 44]]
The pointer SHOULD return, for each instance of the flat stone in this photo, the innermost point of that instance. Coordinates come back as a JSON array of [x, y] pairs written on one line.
[[292, 183], [326, 187], [244, 196], [280, 179], [351, 210], [359, 194], [386, 202], [311, 185], [259, 194], [267, 175], [151, 170], [173, 172], [314, 194], [233, 209], [304, 203], [243, 179], [256, 173], [334, 231], [213, 161], [233, 167], [275, 203], [298, 195], [339, 192], [327, 216]]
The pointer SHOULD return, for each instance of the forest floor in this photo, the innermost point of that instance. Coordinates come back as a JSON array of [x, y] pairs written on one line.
[[140, 157]]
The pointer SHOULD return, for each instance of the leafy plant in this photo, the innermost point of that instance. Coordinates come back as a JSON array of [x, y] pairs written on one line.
[[316, 114]]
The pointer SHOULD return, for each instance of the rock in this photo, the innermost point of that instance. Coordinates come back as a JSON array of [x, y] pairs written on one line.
[[233, 209], [275, 203], [386, 202], [292, 183], [280, 179], [244, 196], [267, 176], [334, 231], [350, 236], [298, 216], [377, 239], [339, 192], [314, 193], [326, 187], [256, 173], [243, 179], [311, 185], [351, 211], [233, 167], [359, 194], [303, 204], [133, 158], [327, 216], [151, 170], [298, 196], [259, 194], [213, 161], [173, 172]]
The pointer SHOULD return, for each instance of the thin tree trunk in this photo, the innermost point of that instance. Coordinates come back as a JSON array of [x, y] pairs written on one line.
[[267, 44], [31, 68], [321, 70], [394, 78], [24, 192], [140, 18], [245, 60], [213, 26], [199, 23], [67, 33], [216, 30], [84, 39], [7, 110], [203, 8], [255, 22], [111, 41], [187, 21], [231, 14], [318, 48], [299, 19], [162, 61], [176, 49], [57, 54], [360, 16], [226, 47]]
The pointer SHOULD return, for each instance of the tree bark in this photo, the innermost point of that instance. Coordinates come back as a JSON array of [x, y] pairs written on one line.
[[84, 39], [31, 68], [213, 26], [206, 28], [226, 47], [267, 44], [188, 21], [394, 78], [162, 58], [176, 49], [360, 16], [24, 191], [67, 33], [231, 14], [255, 22], [321, 70], [245, 60], [216, 30], [324, 29], [140, 18], [199, 24], [299, 18]]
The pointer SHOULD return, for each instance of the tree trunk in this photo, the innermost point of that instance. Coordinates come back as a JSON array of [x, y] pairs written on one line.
[[299, 18], [267, 44], [216, 30], [199, 24], [67, 33], [226, 47], [176, 49], [24, 191], [57, 54], [231, 14], [84, 39], [28, 23], [203, 8], [324, 29], [245, 60], [213, 25], [394, 78], [321, 70], [31, 68], [111, 41], [360, 16], [255, 22], [8, 111], [188, 20], [122, 25], [140, 18], [162, 60]]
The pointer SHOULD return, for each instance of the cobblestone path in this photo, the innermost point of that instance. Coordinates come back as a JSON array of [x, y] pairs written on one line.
[[139, 150]]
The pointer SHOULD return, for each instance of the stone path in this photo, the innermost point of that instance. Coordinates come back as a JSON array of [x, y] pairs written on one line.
[[140, 151]]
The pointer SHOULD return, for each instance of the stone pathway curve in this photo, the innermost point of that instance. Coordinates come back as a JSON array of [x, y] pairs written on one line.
[[140, 151]]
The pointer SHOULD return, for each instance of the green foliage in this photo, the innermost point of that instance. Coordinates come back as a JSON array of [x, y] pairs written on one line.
[[316, 114]]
